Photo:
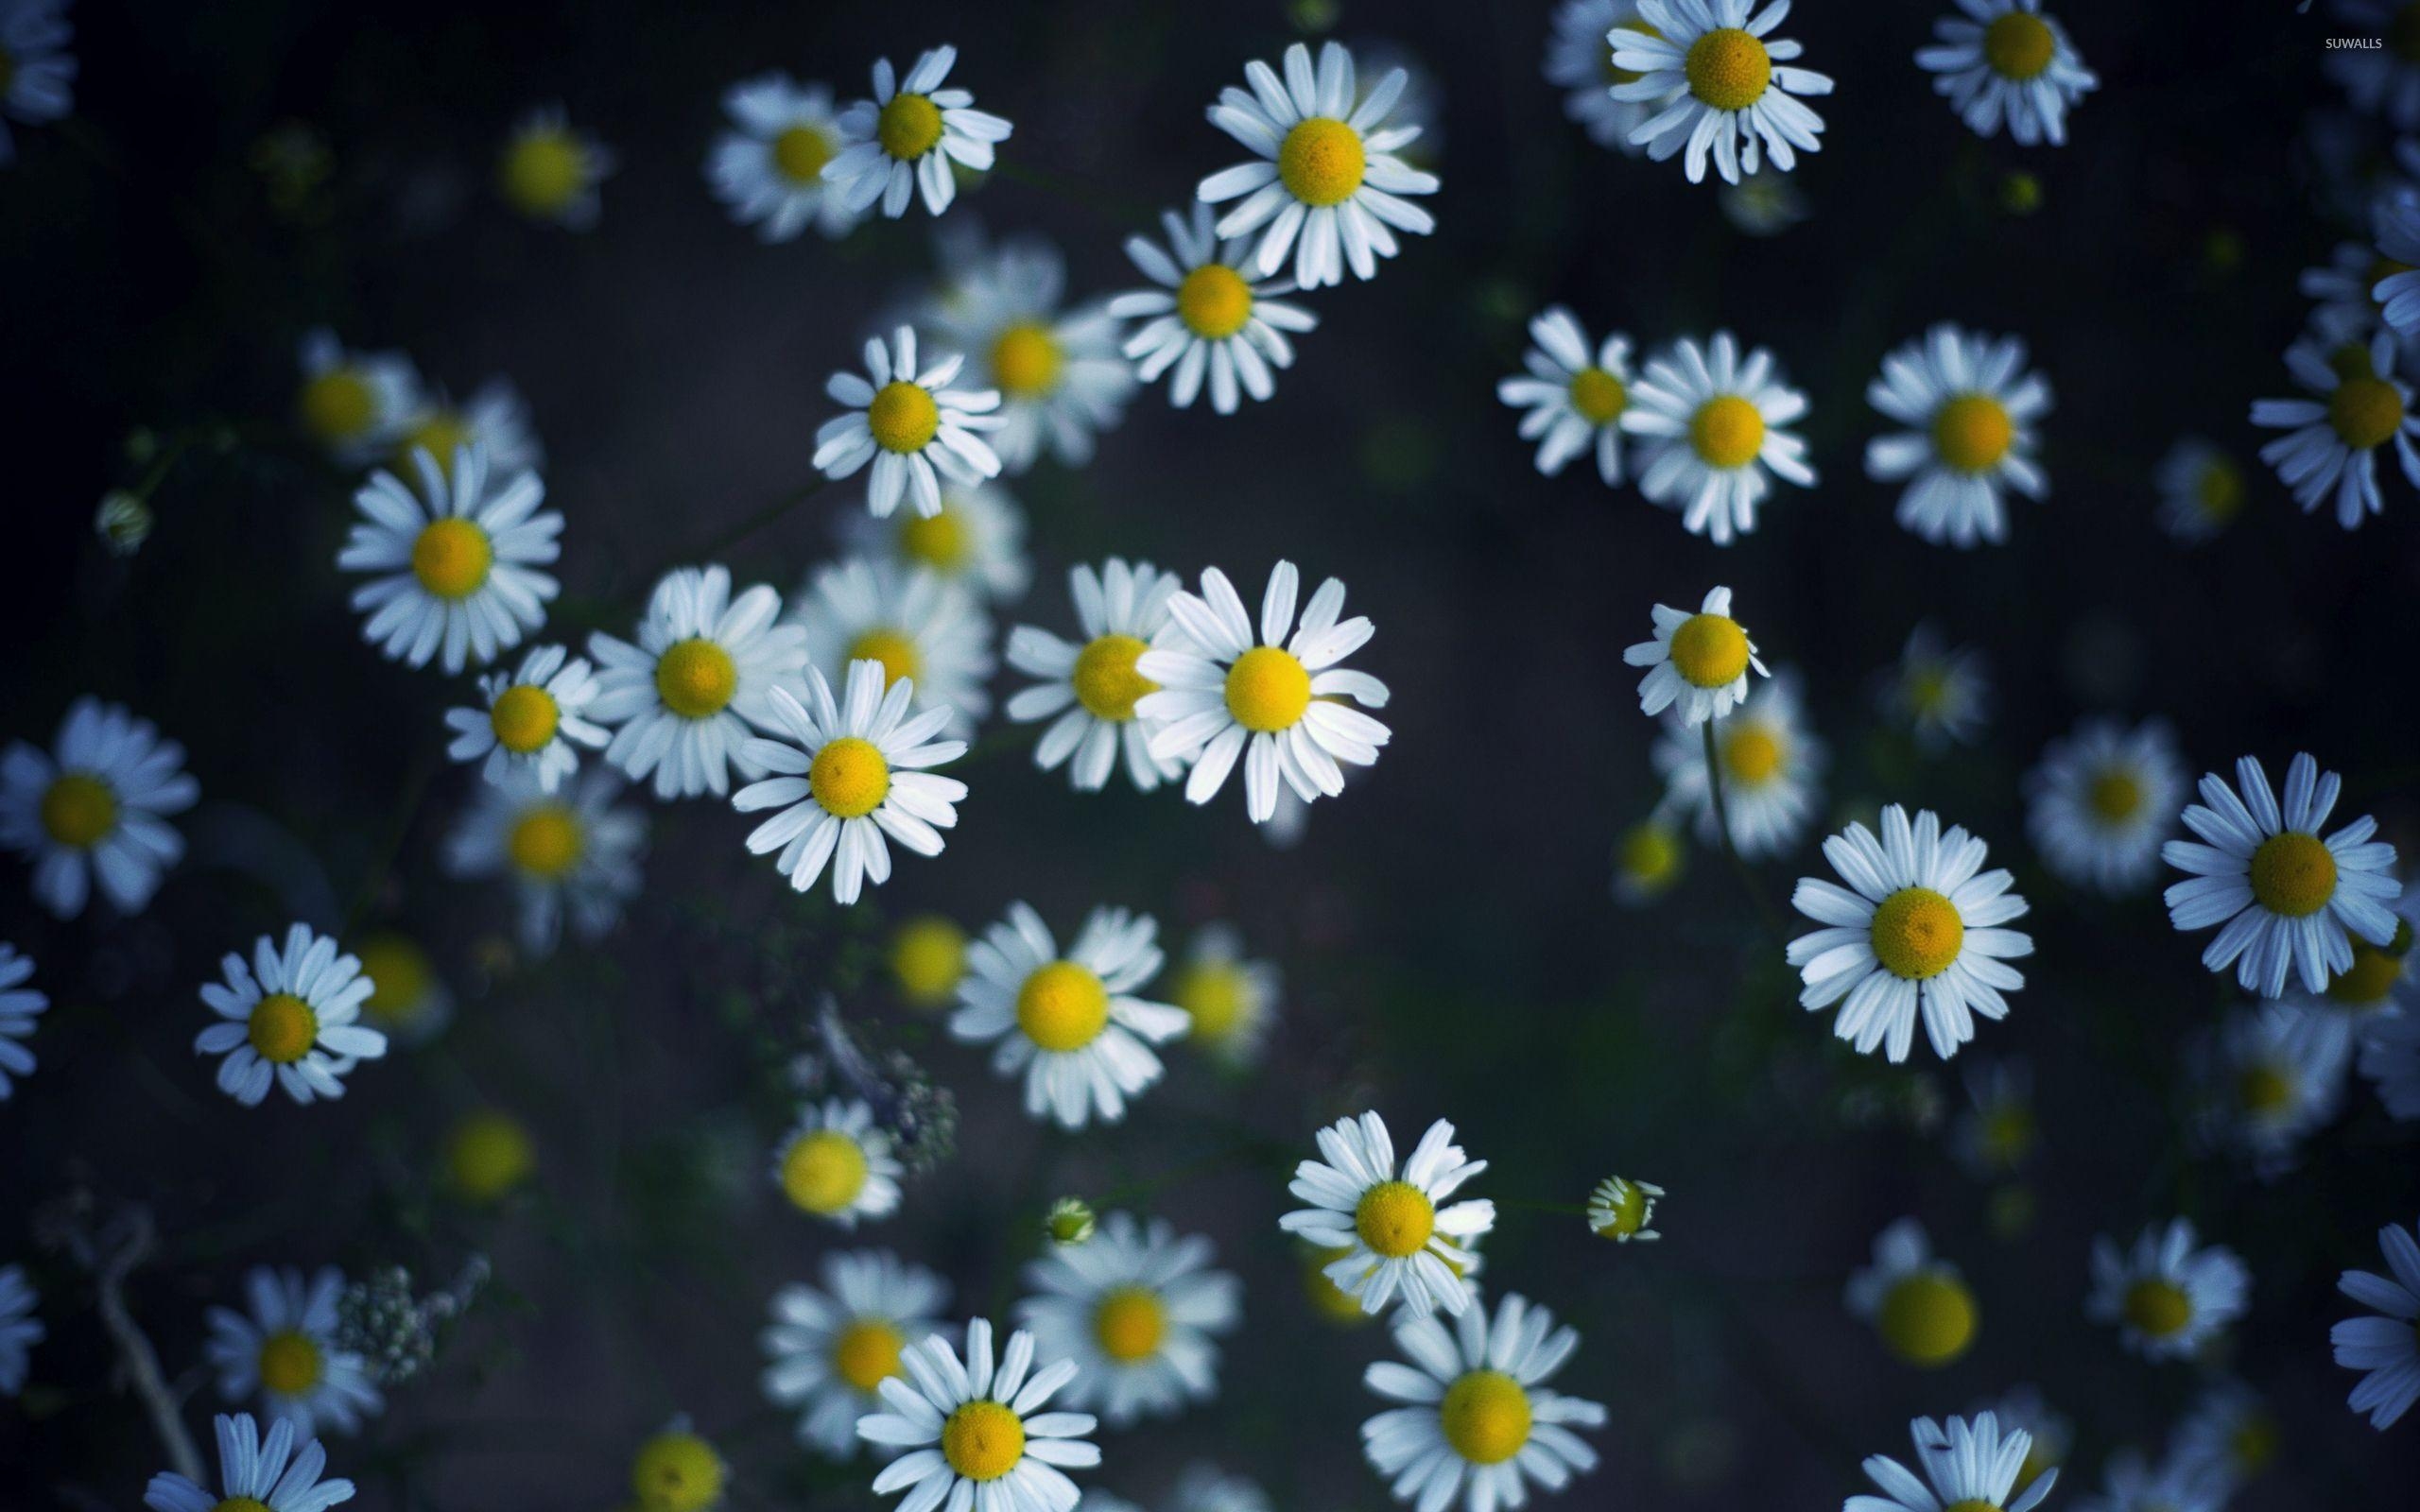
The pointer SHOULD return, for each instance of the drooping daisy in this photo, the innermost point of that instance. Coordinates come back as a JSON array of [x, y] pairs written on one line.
[[2334, 438], [2167, 1297], [976, 542], [1073, 1022], [1231, 999], [686, 698], [1396, 1236], [1478, 1423], [2101, 802], [831, 1348], [846, 774], [837, 1163], [2231, 1433], [291, 1016], [1997, 1132], [1327, 182], [1971, 1463], [1136, 1307], [678, 1469], [1620, 1209], [1648, 859], [2380, 80], [489, 1155], [769, 168], [454, 566], [1919, 1304], [1576, 396], [255, 1473], [2266, 1078], [36, 86], [1769, 765], [93, 808], [549, 172], [1713, 424], [1699, 662], [2391, 1057], [408, 1001], [1058, 373], [354, 403], [20, 1331], [903, 140], [2005, 60], [2383, 980], [1711, 81], [1915, 933], [20, 1005], [2132, 1483], [1970, 408], [1218, 317], [978, 1437], [285, 1350], [2386, 1349], [496, 417], [1579, 61], [570, 854], [1939, 692], [2201, 489], [2289, 903], [532, 719], [1090, 688], [1276, 702], [922, 629], [914, 426]]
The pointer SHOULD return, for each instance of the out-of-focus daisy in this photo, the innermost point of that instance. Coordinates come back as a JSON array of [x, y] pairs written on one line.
[[831, 1348], [2266, 1078], [2132, 1483], [2397, 291], [354, 403], [976, 542], [1090, 688], [1579, 61], [903, 140], [1395, 1234], [1328, 184], [1997, 1132], [1764, 203], [255, 1472], [496, 417], [685, 701], [93, 808], [1917, 1303], [2288, 902], [549, 172], [2167, 1296], [2342, 291], [283, 1348], [1648, 859], [974, 1434], [289, 1016], [1229, 998], [1970, 408], [573, 853], [2201, 489], [769, 168], [2385, 1349], [2334, 437], [1136, 1307], [1058, 373], [915, 426], [36, 86], [20, 1331], [2383, 980], [407, 1000], [676, 1469], [1713, 420], [2391, 1057], [20, 1005], [2005, 60], [837, 1163], [844, 775], [532, 718], [2102, 801], [927, 959], [1207, 1489], [1073, 1022], [489, 1155], [1939, 692], [1576, 395], [1216, 316], [920, 628], [1620, 1209], [1699, 662], [1769, 760], [1478, 1423], [2380, 80], [1711, 81], [454, 566], [2230, 1433], [2021, 1408], [1972, 1462], [1277, 702]]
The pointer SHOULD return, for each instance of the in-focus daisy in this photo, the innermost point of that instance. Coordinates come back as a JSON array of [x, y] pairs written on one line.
[[291, 1016], [2102, 803], [2201, 489], [20, 1331], [974, 1436], [573, 853], [677, 1469], [1711, 81], [1713, 424], [1939, 692], [832, 1347], [1072, 1022], [837, 1163], [920, 628], [1576, 395], [975, 542], [1917, 1301], [2132, 1483], [1211, 314], [846, 774], [1395, 1234], [2383, 980], [489, 1155], [1997, 1132], [496, 417], [2267, 1077], [1327, 182], [455, 565], [1579, 61], [532, 719], [2386, 1349], [1770, 765], [1229, 998], [1058, 373], [1915, 932], [685, 699], [2380, 80], [2290, 901], [2005, 60], [255, 1473], [2391, 1057], [36, 84], [1136, 1307], [1620, 1209], [2230, 1433], [1970, 409], [1478, 1423], [1091, 687], [1971, 1463], [92, 808], [549, 172], [283, 1348], [2334, 438], [2167, 1297], [354, 403], [914, 424], [903, 140], [1278, 703], [1699, 662], [408, 1001], [20, 1005], [769, 168]]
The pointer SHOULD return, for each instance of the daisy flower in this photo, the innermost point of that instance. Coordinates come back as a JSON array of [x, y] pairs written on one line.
[[285, 1349], [2266, 1078], [1970, 409], [269, 1475], [837, 1163], [20, 1331], [2101, 802], [1580, 62], [2385, 1349], [1713, 426], [1090, 688], [496, 417], [453, 565], [2344, 292], [1058, 373], [1999, 1131], [2132, 1483], [408, 1001], [903, 140], [20, 1005], [2021, 1408], [1328, 183], [2391, 1057], [1393, 1238], [1916, 933], [93, 808], [488, 1156], [768, 169], [570, 854], [676, 1469], [831, 1348], [2231, 1433], [354, 403], [2005, 60], [977, 541], [291, 1015], [1231, 999], [2200, 490], [1701, 661], [1136, 1308], [1971, 1462], [972, 1433], [927, 960], [1647, 861], [549, 172], [1073, 1024], [2380, 80], [2168, 1298], [1207, 1489], [1211, 313], [1917, 1303], [35, 88], [1940, 693], [1279, 703], [1769, 765], [846, 774], [2289, 900], [532, 719], [2334, 438], [921, 630], [1478, 1423], [686, 698], [912, 424], [1575, 396], [2382, 979], [1620, 1209], [1710, 80], [1764, 203]]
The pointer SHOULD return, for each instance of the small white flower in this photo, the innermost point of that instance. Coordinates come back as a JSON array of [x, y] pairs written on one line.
[[288, 1016], [1701, 661], [549, 172], [285, 1350], [1997, 1132], [20, 1329], [1971, 1462], [1620, 1209], [2134, 1484], [93, 808], [2335, 437], [912, 424], [837, 1163], [1711, 81], [1940, 693], [920, 628], [496, 417], [769, 168], [2266, 1078], [2004, 61], [532, 719], [1576, 396], [2102, 803], [2168, 1298], [2230, 1436], [1231, 999], [976, 1435], [266, 1475], [831, 1348], [354, 403], [1091, 689], [2342, 293], [571, 853], [20, 1005], [686, 698], [1072, 1022], [1770, 763], [1713, 420], [1919, 1304], [454, 567], [2200, 490], [2386, 1349], [2396, 297], [1136, 1308], [1393, 1238], [1211, 315], [903, 140], [1058, 373], [408, 999], [1205, 1489], [1648, 859], [1970, 408], [975, 542], [2391, 1057], [1579, 61]]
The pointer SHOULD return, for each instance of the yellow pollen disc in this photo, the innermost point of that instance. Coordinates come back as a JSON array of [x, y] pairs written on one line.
[[1976, 1503], [2158, 1308], [1267, 689], [2255, 1445], [241, 1503], [1599, 396], [1394, 1219], [2018, 45], [2115, 795], [1321, 160], [339, 405], [849, 777], [1617, 74], [1651, 853], [524, 717], [439, 433], [2294, 875], [451, 558], [1728, 69], [1329, 1299], [903, 417], [1629, 1214], [1217, 996], [910, 127], [282, 1028], [542, 172], [1753, 754], [2219, 491], [823, 1172], [1928, 1319], [1130, 1323], [867, 1353], [1917, 932], [928, 959], [1025, 360], [2008, 1133], [78, 810], [289, 1364], [2365, 412], [677, 1471], [546, 841], [1727, 432], [800, 153], [982, 1440], [1213, 301], [2265, 1090], [1106, 683], [1709, 650], [1063, 1006], [2373, 971], [400, 977], [1485, 1416], [1972, 432], [894, 649], [489, 1155], [696, 677], [941, 542]]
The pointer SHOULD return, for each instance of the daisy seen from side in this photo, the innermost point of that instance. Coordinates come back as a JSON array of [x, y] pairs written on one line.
[[1620, 1209]]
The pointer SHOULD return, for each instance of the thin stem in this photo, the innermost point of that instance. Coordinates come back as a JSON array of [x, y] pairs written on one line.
[[1722, 823], [111, 1251]]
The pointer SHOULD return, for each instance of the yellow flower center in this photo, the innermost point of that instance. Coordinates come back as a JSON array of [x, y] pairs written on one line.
[[1219, 997], [1267, 689], [1710, 650], [241, 1503], [1727, 431], [1106, 683], [542, 172], [2219, 491], [1615, 73], [927, 959], [903, 417], [2116, 794], [546, 841], [1928, 1319], [2365, 412], [1972, 432], [488, 1155], [1728, 68], [849, 777], [910, 127], [1025, 360], [524, 717], [2293, 874], [2373, 971], [1063, 1006], [2255, 1444], [823, 1172], [1485, 1416], [1213, 301], [1975, 1503], [2018, 45], [941, 542], [2264, 1090], [78, 809], [1130, 1323], [1599, 396], [1394, 1219], [282, 1028], [339, 405], [1626, 1214], [289, 1364], [440, 434], [696, 677], [1321, 160], [451, 558], [400, 978], [800, 153], [1651, 853], [677, 1471], [982, 1440], [1917, 932], [894, 649], [2158, 1308], [1753, 754], [2008, 1133], [867, 1353]]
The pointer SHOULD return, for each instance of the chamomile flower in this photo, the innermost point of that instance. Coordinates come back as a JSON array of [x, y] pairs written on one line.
[[289, 1016], [2342, 291], [1277, 702], [915, 426], [1058, 373], [844, 775], [1090, 688], [20, 1329], [269, 1475], [1972, 1462], [353, 405], [1711, 81], [2102, 801], [976, 1435], [1919, 1304], [1940, 693], [2395, 221], [1229, 998], [532, 719], [92, 808], [2380, 80], [20, 1005], [1328, 184], [2134, 1484], [1575, 395], [977, 541], [1764, 203], [903, 142], [408, 1001], [685, 701], [837, 1163], [284, 1349], [2201, 489], [2004, 61], [1071, 1022], [2231, 1433], [572, 854], [2266, 1078], [1713, 425], [1394, 1234], [496, 417], [1213, 314], [2167, 1297], [1136, 1308], [489, 1155], [2391, 1057], [2335, 437], [2383, 980], [1478, 1423], [454, 566], [1208, 1489], [1997, 1132], [549, 172], [1699, 662], [1580, 62], [1620, 1209], [768, 169], [1770, 764], [1970, 409], [677, 1469], [927, 960], [2288, 902], [2385, 1349], [1648, 859], [2021, 1408], [832, 1347], [922, 629]]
